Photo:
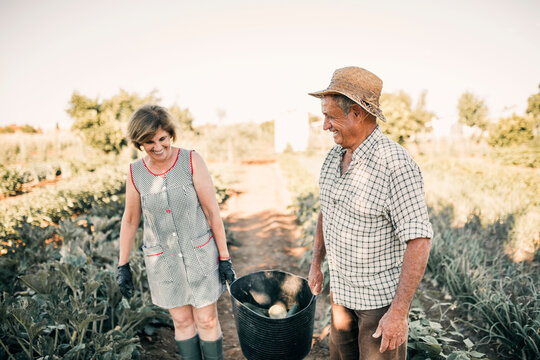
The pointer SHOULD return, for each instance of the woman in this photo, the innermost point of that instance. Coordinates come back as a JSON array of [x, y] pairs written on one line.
[[185, 250]]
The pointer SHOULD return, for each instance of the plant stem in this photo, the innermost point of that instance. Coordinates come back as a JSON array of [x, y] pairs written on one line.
[[7, 350], [24, 349]]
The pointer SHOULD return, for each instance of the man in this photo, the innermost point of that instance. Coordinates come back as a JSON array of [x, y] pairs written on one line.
[[373, 224]]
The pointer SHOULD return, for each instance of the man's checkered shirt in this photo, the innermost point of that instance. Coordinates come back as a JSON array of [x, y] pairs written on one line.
[[369, 213]]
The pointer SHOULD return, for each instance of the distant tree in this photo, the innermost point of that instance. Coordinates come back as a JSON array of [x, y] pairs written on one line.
[[103, 125], [268, 128], [533, 110], [404, 121], [29, 129], [13, 128], [472, 111], [513, 130], [7, 130], [533, 105], [183, 117]]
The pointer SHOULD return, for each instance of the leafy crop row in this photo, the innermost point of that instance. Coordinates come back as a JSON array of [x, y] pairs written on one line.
[[15, 179], [63, 302], [59, 298], [52, 203], [12, 179], [500, 294]]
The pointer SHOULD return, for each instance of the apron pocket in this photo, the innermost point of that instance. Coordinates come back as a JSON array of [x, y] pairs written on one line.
[[157, 266], [206, 252]]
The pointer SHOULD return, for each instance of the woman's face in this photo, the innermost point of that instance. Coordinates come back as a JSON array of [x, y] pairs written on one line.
[[159, 146]]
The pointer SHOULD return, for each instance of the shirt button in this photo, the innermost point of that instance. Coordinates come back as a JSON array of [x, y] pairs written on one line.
[[164, 188], [173, 234]]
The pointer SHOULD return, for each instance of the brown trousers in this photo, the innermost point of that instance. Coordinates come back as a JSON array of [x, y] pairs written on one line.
[[351, 335]]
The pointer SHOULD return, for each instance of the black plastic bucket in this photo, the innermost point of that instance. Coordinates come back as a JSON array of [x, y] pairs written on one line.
[[264, 338]]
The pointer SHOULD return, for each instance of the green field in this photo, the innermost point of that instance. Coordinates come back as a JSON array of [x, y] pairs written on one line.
[[61, 203]]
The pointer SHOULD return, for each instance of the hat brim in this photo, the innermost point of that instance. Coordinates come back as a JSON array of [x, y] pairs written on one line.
[[375, 110], [320, 94]]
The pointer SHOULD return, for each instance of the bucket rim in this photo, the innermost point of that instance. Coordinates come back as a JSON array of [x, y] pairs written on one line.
[[312, 298]]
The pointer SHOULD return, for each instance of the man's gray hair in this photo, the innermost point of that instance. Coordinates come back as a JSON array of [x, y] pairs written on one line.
[[343, 102]]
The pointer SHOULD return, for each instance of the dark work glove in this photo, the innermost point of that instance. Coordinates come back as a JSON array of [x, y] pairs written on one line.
[[226, 271], [125, 283]]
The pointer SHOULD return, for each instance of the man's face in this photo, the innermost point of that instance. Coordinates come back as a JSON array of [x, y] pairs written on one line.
[[345, 128]]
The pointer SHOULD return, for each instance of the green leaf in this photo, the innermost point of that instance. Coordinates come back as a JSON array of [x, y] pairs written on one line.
[[446, 339], [89, 287], [476, 354], [457, 355], [125, 303], [432, 349], [429, 340], [468, 343], [44, 282], [75, 352]]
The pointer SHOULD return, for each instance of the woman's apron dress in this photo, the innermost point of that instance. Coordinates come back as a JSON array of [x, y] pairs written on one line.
[[180, 253]]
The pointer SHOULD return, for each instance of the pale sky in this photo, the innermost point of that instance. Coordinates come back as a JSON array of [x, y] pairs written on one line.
[[258, 59]]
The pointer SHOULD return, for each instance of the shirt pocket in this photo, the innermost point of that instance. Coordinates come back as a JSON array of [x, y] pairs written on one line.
[[206, 252], [158, 267]]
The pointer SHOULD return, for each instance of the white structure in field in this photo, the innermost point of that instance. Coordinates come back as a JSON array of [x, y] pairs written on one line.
[[291, 129]]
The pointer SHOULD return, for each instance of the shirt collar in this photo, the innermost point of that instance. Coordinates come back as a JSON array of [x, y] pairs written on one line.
[[365, 147]]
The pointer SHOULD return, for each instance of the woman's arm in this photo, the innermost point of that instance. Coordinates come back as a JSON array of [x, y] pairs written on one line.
[[130, 220], [207, 197]]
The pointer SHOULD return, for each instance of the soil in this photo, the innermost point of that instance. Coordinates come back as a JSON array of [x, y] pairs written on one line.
[[266, 237]]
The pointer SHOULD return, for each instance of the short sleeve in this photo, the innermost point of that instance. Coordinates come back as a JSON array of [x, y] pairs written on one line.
[[406, 203]]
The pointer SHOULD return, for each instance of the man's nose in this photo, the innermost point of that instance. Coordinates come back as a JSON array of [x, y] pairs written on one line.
[[326, 124]]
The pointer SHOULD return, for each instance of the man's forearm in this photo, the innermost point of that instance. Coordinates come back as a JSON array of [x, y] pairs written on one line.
[[412, 271], [319, 250]]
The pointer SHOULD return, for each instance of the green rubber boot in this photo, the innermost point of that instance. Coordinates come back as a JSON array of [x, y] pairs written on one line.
[[212, 350], [189, 349]]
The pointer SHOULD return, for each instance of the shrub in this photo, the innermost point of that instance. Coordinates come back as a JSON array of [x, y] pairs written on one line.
[[513, 130]]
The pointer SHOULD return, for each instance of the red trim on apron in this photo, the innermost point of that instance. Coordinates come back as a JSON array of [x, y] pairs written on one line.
[[191, 162], [133, 182], [165, 171], [155, 254], [196, 247]]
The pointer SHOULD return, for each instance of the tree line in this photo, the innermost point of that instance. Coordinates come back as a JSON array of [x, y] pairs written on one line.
[[102, 123]]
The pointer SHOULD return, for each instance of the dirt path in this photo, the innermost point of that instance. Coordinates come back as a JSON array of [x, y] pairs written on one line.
[[267, 235]]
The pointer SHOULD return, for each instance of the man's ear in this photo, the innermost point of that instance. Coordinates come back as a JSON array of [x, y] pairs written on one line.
[[357, 110]]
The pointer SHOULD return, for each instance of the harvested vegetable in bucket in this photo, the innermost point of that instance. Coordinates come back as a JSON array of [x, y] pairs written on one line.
[[274, 313]]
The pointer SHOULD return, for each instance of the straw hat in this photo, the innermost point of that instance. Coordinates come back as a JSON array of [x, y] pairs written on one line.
[[359, 85]]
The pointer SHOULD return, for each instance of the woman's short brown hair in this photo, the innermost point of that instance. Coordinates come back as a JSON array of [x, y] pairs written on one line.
[[146, 121]]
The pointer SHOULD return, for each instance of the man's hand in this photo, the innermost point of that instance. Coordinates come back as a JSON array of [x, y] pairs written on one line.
[[226, 271], [124, 279], [393, 327], [315, 279]]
